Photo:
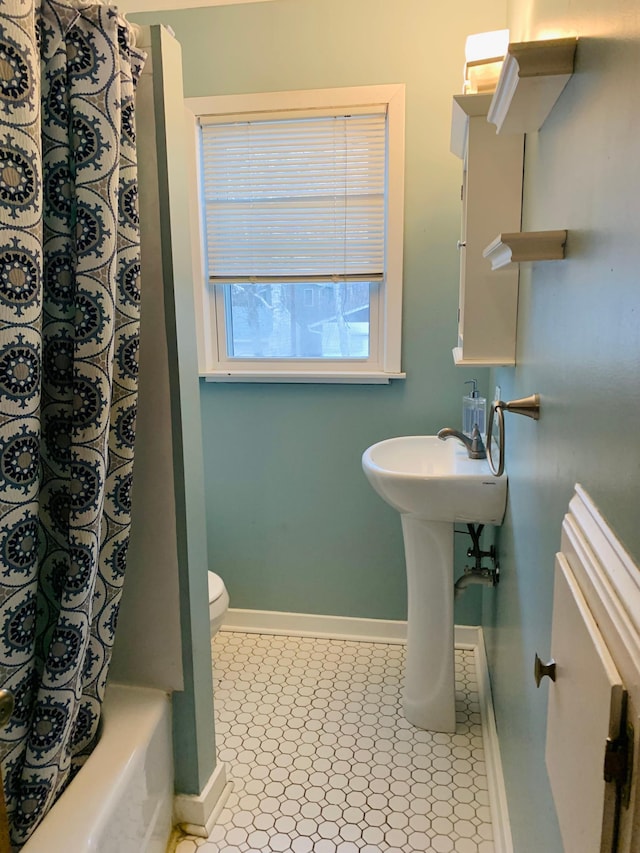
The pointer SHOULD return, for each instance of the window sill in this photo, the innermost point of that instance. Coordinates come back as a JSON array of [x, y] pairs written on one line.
[[338, 378]]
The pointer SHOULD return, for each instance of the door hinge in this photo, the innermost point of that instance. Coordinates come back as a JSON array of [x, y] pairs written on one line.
[[618, 762]]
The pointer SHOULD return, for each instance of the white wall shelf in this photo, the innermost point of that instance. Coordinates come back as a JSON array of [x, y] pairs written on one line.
[[520, 246], [464, 108], [491, 199], [460, 360], [533, 76]]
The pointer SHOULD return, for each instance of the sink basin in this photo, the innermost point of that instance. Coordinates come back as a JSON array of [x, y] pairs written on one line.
[[421, 475], [432, 484]]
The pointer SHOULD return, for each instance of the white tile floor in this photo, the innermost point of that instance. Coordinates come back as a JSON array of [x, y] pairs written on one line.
[[322, 760]]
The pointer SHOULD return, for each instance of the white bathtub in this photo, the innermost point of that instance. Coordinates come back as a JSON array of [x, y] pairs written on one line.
[[121, 801]]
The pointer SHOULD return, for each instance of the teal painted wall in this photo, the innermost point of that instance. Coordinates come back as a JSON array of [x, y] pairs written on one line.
[[292, 523], [579, 347]]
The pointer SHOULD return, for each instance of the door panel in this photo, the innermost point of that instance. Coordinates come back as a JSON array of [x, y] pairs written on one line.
[[585, 708]]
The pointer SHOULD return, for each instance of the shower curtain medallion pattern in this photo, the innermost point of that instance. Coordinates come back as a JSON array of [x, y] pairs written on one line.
[[69, 303]]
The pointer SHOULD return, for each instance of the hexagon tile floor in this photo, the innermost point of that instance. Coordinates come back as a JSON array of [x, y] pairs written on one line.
[[322, 760]]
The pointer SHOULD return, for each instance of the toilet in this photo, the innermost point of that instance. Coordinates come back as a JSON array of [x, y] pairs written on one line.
[[218, 602]]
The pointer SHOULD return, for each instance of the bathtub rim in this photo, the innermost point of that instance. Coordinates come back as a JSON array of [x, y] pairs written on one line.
[[131, 715]]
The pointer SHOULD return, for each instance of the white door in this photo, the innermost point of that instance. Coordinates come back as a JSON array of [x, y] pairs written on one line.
[[585, 708]]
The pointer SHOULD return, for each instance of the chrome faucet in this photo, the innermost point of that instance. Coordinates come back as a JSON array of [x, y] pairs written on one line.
[[474, 445]]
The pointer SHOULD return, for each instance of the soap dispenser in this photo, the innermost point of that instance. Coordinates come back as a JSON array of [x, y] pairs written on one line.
[[474, 410]]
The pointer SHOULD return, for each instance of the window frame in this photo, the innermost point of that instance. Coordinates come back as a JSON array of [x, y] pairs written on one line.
[[384, 362]]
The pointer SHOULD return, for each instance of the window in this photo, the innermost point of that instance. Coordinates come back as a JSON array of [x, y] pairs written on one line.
[[299, 274]]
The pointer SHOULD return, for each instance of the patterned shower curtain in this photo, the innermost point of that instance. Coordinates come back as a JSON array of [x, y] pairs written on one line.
[[69, 317]]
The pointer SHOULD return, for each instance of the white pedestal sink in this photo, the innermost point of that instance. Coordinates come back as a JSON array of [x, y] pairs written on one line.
[[432, 483]]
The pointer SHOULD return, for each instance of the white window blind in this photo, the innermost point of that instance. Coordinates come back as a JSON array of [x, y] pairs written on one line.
[[295, 199]]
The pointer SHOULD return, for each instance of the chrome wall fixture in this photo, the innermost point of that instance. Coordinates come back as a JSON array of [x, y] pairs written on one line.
[[527, 406], [489, 576]]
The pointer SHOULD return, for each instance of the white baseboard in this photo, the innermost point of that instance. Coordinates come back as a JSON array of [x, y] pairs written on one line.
[[502, 841], [197, 813], [312, 625], [332, 627], [467, 636]]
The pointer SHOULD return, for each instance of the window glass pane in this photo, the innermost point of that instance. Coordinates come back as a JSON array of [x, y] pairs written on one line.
[[298, 320]]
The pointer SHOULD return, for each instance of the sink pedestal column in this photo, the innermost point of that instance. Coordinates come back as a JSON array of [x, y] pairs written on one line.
[[429, 688]]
